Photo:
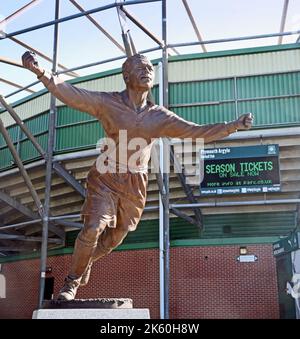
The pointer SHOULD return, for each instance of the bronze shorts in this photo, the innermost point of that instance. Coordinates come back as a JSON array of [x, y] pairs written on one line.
[[115, 199]]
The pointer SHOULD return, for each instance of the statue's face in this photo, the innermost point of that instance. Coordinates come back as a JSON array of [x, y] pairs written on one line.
[[140, 76]]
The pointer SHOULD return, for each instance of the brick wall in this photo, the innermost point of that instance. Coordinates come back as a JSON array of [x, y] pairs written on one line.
[[206, 282]]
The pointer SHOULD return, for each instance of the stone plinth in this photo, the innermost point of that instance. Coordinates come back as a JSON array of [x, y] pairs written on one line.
[[114, 308]]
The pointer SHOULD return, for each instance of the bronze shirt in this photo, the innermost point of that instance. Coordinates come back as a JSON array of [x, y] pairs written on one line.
[[115, 115]]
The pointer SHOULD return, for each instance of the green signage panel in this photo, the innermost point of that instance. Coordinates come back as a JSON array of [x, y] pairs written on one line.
[[238, 170], [287, 244]]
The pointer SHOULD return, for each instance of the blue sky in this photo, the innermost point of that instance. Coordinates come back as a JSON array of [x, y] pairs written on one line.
[[82, 43]]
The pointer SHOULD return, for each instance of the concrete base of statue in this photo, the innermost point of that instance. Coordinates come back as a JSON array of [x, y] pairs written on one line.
[[114, 308]]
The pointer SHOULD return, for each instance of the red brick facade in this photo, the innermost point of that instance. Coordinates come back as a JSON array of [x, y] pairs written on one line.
[[206, 282]]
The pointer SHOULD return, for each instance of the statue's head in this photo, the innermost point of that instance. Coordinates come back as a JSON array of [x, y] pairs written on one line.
[[138, 72]]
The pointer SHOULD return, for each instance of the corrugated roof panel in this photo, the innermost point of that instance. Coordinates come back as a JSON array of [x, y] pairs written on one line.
[[268, 85], [6, 158], [273, 111], [207, 114], [28, 151], [87, 131], [79, 135], [28, 109], [204, 91], [38, 123], [42, 103], [259, 224], [67, 115], [237, 65], [155, 94], [113, 83], [13, 132], [181, 70], [266, 111]]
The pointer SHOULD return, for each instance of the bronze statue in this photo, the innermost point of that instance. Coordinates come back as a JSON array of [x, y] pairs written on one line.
[[115, 201]]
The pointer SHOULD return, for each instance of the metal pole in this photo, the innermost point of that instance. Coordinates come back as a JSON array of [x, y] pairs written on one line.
[[68, 216], [166, 165], [15, 85], [19, 142], [16, 205], [101, 29], [51, 138], [283, 19], [125, 30], [19, 11], [161, 212], [193, 22], [42, 55], [142, 27], [11, 62], [235, 97], [22, 89], [250, 37], [20, 225]]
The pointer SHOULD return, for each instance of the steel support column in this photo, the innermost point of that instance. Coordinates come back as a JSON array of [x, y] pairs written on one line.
[[51, 140], [165, 170]]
